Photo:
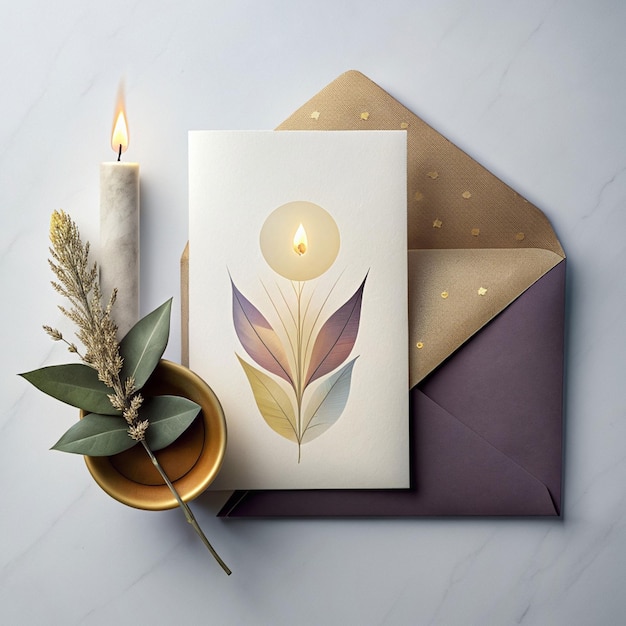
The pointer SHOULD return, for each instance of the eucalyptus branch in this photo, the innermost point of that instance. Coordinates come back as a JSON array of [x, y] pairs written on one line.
[[97, 331]]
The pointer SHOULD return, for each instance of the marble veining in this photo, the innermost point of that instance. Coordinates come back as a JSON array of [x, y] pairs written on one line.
[[534, 90], [605, 186], [511, 58]]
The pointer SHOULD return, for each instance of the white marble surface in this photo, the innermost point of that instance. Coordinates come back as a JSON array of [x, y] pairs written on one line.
[[534, 90]]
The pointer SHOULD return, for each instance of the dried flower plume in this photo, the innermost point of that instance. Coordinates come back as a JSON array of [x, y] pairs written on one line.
[[78, 282]]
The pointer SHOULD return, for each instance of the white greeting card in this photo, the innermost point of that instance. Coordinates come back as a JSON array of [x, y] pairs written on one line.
[[298, 304]]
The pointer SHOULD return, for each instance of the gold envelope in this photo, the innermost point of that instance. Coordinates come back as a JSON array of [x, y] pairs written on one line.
[[474, 247]]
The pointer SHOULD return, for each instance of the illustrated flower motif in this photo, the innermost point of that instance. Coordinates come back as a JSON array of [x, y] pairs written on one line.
[[300, 241]]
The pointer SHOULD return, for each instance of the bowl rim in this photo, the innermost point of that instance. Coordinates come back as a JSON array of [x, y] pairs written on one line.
[[191, 484]]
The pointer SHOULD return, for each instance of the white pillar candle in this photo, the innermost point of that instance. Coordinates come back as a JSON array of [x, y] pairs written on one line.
[[119, 232]]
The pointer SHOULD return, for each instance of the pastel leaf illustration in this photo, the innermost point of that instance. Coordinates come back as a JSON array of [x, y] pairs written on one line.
[[144, 344], [75, 384], [336, 338], [96, 435], [328, 402], [273, 403], [258, 338]]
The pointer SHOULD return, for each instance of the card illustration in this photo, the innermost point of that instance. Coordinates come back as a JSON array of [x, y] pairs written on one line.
[[310, 358]]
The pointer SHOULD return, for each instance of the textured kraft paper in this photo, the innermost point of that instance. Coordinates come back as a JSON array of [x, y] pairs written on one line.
[[480, 258]]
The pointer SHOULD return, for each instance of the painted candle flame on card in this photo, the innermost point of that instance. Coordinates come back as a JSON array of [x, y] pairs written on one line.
[[304, 382]]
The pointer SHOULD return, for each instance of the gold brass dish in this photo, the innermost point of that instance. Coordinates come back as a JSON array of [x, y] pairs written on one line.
[[191, 462]]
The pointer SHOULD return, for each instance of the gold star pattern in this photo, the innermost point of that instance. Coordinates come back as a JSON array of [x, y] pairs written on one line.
[[365, 115], [315, 115], [444, 294], [467, 195], [418, 196], [404, 125], [419, 345], [482, 291], [475, 232], [437, 223], [433, 175], [520, 236]]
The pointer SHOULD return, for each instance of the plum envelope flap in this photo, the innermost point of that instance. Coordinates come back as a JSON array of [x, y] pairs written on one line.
[[444, 443], [486, 428]]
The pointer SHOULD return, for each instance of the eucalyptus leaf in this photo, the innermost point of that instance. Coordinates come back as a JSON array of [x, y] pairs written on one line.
[[169, 418], [75, 384], [96, 435], [144, 344]]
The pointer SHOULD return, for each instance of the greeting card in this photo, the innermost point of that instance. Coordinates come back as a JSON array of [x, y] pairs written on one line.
[[298, 304]]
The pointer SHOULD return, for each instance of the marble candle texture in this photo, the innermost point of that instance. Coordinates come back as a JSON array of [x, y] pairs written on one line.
[[119, 240]]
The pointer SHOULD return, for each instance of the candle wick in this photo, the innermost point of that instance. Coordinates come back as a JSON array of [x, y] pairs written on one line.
[[119, 154]]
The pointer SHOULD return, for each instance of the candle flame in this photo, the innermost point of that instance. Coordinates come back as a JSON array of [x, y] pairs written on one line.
[[119, 137], [119, 134], [300, 243]]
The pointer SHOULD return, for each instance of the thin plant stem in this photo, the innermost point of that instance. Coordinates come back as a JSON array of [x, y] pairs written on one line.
[[282, 321], [300, 363], [185, 507], [306, 349]]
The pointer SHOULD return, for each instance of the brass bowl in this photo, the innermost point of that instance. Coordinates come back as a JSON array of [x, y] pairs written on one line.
[[191, 462]]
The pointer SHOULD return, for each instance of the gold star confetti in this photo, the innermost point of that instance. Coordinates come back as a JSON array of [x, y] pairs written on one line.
[[419, 345], [365, 115], [433, 175], [437, 223], [466, 195], [475, 232], [404, 125], [482, 291], [418, 196], [315, 115], [520, 236], [444, 294]]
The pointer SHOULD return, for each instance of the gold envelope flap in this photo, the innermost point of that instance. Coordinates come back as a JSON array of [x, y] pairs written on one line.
[[474, 244]]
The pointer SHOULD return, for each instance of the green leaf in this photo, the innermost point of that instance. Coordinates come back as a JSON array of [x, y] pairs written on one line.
[[105, 435], [144, 344], [75, 384], [96, 435], [169, 418]]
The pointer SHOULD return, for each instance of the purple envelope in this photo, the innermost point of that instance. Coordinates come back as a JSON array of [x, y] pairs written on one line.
[[485, 428], [486, 322]]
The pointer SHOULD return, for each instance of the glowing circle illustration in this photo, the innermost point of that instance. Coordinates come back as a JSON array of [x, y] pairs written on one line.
[[300, 240]]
